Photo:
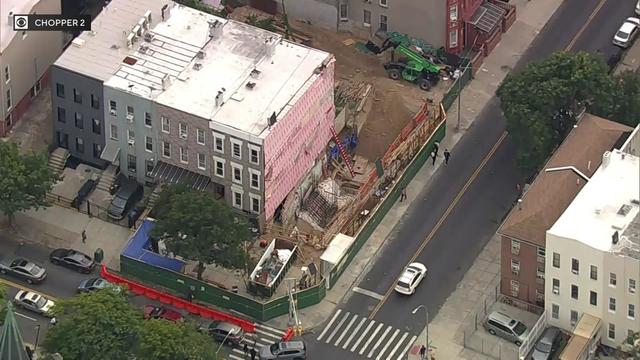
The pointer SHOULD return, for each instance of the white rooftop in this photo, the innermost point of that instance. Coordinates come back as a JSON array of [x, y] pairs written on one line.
[[6, 26], [256, 71], [607, 203], [99, 53]]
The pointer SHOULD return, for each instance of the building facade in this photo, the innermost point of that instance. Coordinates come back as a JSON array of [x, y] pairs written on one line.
[[25, 58], [593, 253]]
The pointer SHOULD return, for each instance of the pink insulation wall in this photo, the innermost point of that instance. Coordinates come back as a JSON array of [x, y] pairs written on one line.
[[296, 140]]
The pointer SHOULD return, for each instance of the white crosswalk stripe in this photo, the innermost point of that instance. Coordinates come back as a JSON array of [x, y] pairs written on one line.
[[264, 336], [365, 337]]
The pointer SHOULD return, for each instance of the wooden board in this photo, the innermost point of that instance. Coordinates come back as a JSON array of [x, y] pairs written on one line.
[[360, 164]]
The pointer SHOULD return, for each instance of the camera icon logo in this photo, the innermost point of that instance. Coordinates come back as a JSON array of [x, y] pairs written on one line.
[[20, 22]]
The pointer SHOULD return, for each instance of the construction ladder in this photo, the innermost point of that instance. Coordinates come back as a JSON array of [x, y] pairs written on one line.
[[343, 152]]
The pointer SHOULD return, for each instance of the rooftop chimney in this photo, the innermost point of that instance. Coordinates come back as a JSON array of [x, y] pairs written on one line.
[[606, 158], [215, 29], [165, 81], [272, 119], [615, 237], [165, 12], [219, 99]]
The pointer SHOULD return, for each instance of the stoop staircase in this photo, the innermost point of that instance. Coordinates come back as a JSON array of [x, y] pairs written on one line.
[[58, 159], [153, 198], [108, 177]]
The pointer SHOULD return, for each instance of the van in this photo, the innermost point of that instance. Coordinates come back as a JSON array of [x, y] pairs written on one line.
[[126, 196], [501, 324]]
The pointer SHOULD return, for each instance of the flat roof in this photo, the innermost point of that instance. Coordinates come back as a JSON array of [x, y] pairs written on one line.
[[257, 72], [608, 204], [337, 248], [6, 27], [99, 53]]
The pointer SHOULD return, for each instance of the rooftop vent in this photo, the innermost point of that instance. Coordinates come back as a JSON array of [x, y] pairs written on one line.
[[215, 29], [219, 99], [137, 30], [129, 60], [144, 48], [255, 73], [197, 66], [200, 54], [10, 17], [250, 85], [92, 32], [148, 37], [165, 12], [115, 47], [77, 42], [606, 158], [615, 237], [130, 40], [635, 201], [147, 17], [273, 119], [624, 209], [165, 81]]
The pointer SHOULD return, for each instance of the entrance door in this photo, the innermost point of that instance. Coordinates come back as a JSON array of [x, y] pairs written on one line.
[[218, 190]]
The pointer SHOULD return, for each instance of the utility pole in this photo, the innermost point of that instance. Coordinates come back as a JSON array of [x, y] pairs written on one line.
[[294, 321]]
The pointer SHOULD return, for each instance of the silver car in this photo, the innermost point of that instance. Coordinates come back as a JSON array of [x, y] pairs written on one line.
[[285, 350], [627, 33], [34, 302], [501, 324]]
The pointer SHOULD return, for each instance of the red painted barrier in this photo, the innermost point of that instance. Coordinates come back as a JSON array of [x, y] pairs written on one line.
[[180, 303], [287, 334]]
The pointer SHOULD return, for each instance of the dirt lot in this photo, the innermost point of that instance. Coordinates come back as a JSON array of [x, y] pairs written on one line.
[[394, 102]]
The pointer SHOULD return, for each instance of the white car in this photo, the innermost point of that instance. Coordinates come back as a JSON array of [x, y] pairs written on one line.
[[638, 8], [410, 278], [627, 33], [33, 302]]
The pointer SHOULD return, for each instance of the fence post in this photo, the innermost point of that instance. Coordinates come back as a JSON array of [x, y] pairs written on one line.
[[88, 208]]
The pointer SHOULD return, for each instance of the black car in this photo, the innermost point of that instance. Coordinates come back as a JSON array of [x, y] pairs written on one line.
[[125, 198], [72, 259], [227, 333]]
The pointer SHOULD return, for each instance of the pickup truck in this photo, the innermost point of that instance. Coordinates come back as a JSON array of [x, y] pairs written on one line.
[[24, 269]]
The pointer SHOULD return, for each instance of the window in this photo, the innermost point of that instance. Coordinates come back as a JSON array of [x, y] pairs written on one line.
[[202, 162], [383, 3], [237, 198], [78, 121], [255, 204], [453, 38], [631, 311], [95, 126], [131, 163], [97, 150], [236, 147], [612, 279], [255, 180], [593, 273], [219, 143], [540, 272], [539, 296], [453, 12], [366, 21], [60, 90], [254, 156], [612, 304], [7, 74], [574, 318], [9, 99], [147, 119], [148, 143], [113, 107], [62, 115], [556, 286], [131, 135], [555, 311], [542, 252], [95, 102], [80, 145], [166, 149], [574, 292], [219, 166], [129, 110], [183, 130], [344, 12], [237, 173], [556, 260], [165, 124], [632, 286], [77, 96], [593, 298], [184, 155], [148, 164], [575, 266], [200, 136], [515, 267], [113, 132], [612, 331], [515, 288], [515, 247], [383, 22]]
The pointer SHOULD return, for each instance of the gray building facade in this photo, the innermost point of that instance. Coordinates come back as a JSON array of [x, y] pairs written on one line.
[[78, 116]]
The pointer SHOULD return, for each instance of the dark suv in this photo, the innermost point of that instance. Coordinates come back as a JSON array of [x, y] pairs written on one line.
[[129, 194]]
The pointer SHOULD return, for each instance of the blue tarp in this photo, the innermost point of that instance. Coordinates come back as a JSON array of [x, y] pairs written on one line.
[[139, 248]]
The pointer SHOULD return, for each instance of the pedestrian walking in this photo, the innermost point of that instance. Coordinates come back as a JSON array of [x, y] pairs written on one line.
[[423, 352], [245, 348], [436, 147], [447, 155], [84, 236], [253, 354], [190, 295], [433, 157], [403, 194]]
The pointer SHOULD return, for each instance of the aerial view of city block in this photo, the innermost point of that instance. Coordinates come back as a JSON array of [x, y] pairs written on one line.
[[319, 179]]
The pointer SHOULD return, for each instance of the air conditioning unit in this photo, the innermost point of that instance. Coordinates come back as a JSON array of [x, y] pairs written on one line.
[[183, 136], [515, 272], [556, 291], [132, 142], [113, 112], [130, 117]]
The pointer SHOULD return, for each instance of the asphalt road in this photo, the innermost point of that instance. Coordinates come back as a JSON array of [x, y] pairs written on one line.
[[476, 216]]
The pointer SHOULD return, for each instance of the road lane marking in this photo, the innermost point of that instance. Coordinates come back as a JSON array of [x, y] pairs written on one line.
[[382, 337], [585, 25], [395, 333], [22, 287], [393, 351], [232, 356], [362, 336], [368, 293], [329, 325], [444, 216], [370, 339], [354, 332], [266, 327], [345, 331], [268, 334], [25, 316], [406, 348], [335, 331]]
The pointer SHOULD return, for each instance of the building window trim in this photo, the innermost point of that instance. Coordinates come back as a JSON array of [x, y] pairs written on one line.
[[254, 173], [165, 124], [235, 191], [575, 292], [236, 173], [631, 286], [7, 73], [202, 161], [234, 143], [613, 279], [611, 331], [555, 287], [593, 272], [113, 132], [593, 298], [200, 132], [148, 144], [631, 311], [184, 155], [366, 22], [254, 197], [556, 260], [384, 3], [60, 90], [218, 139], [612, 305], [344, 12], [166, 149], [183, 130], [515, 267], [216, 161], [515, 247], [253, 148], [453, 12], [555, 311], [148, 120], [453, 38]]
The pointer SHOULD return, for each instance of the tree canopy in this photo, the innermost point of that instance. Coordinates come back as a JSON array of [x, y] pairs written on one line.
[[24, 180], [3, 305], [196, 226], [541, 103], [163, 340]]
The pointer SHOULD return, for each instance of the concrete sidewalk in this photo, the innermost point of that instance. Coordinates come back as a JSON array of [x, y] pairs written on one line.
[[630, 60]]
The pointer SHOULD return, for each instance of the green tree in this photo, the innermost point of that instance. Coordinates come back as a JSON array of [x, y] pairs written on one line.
[[24, 180], [98, 325], [196, 226], [3, 305], [631, 347], [164, 340], [623, 103]]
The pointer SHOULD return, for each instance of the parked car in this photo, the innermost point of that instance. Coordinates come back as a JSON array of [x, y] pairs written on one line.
[[546, 345], [161, 312], [285, 350], [24, 269], [226, 333], [33, 302], [124, 199], [72, 259], [410, 278], [84, 192], [501, 324], [627, 33], [96, 283], [638, 7]]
